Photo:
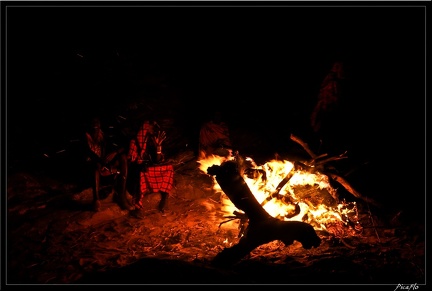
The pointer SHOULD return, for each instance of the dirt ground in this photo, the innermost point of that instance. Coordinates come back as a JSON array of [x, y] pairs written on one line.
[[53, 237]]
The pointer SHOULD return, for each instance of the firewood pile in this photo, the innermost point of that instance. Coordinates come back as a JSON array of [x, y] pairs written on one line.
[[320, 194]]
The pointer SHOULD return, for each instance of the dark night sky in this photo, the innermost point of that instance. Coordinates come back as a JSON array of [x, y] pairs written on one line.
[[260, 62]]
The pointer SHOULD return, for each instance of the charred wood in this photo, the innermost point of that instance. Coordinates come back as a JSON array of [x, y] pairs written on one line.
[[262, 227], [318, 164], [235, 187], [305, 146], [351, 190], [268, 230]]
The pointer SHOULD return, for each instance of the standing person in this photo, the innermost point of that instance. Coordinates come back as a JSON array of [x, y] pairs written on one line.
[[147, 171], [106, 160], [214, 137], [326, 116]]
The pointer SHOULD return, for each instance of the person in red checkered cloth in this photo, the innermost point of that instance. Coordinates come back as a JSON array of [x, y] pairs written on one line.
[[147, 171]]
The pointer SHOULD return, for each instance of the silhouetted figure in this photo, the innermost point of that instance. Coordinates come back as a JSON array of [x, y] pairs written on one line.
[[214, 138], [326, 117], [106, 159]]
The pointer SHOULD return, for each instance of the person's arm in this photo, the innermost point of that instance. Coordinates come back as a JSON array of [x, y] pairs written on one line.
[[158, 140], [90, 153]]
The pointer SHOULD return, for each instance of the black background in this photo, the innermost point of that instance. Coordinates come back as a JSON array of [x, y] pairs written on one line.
[[261, 63]]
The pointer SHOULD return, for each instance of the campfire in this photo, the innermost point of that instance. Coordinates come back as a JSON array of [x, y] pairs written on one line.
[[293, 191]]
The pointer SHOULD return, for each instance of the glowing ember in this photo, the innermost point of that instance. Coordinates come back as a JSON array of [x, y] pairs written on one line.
[[311, 192]]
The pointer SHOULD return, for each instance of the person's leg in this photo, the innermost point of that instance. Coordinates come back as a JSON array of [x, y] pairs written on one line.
[[120, 183], [95, 188], [162, 203], [134, 176]]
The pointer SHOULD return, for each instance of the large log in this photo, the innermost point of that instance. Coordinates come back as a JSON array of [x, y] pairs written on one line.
[[262, 227]]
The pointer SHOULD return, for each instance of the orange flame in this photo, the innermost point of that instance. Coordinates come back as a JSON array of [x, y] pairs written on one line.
[[329, 217]]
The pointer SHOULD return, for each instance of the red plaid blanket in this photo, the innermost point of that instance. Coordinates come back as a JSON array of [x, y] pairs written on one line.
[[157, 178]]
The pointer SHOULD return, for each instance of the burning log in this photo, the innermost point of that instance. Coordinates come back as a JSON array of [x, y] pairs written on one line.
[[286, 198], [235, 187], [262, 227]]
